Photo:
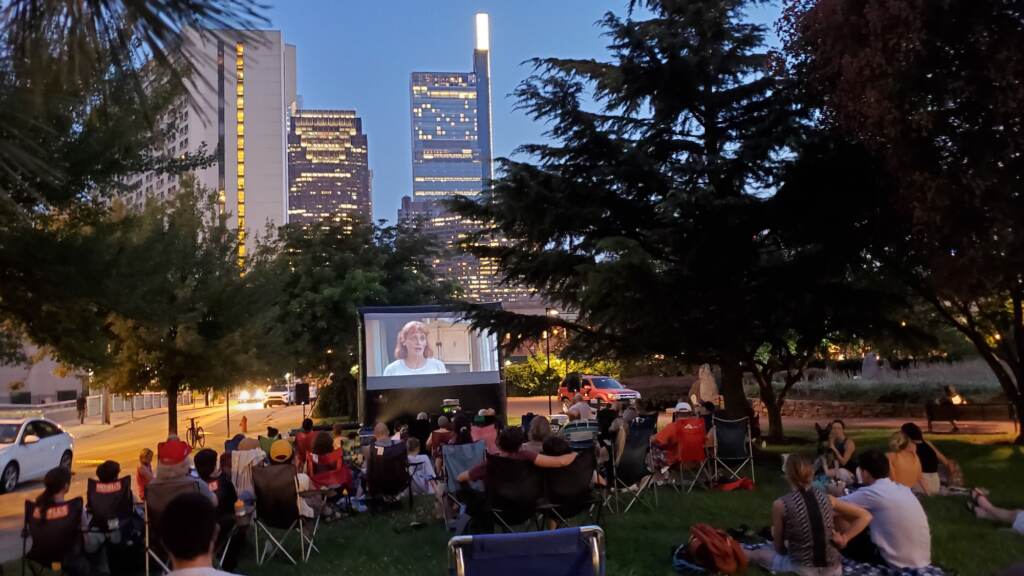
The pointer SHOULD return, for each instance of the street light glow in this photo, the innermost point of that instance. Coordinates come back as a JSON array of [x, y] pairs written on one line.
[[483, 32]]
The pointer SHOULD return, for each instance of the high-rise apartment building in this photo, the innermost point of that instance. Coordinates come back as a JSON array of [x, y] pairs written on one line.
[[328, 170], [243, 91], [451, 156]]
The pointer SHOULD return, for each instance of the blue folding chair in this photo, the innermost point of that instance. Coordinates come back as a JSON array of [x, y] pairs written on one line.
[[563, 552], [733, 448], [456, 459]]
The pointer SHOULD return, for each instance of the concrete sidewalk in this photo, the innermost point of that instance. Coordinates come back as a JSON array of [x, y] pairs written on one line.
[[94, 426]]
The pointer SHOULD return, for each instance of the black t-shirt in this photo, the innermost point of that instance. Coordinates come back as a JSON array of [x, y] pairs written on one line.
[[929, 459]]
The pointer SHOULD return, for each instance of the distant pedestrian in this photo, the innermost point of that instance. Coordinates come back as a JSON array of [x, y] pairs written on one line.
[[80, 404]]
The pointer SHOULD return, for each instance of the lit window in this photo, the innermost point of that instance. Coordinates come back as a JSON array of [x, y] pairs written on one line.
[[241, 158], [241, 116]]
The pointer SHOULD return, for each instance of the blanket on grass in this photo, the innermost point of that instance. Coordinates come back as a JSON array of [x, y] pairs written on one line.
[[684, 565]]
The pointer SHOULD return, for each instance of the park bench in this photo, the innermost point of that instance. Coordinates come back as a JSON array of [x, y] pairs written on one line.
[[992, 412]]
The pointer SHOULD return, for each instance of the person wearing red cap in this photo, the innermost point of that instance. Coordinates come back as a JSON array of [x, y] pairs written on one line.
[[172, 467]]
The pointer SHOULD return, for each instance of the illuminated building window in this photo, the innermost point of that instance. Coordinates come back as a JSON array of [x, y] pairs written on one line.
[[240, 130]]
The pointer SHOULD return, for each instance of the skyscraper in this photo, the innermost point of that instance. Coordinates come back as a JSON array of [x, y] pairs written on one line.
[[328, 172], [242, 94], [451, 156]]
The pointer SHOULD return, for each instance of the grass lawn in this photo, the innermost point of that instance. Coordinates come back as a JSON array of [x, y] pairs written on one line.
[[640, 543]]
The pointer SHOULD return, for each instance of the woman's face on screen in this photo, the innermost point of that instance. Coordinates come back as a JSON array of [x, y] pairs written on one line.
[[415, 343]]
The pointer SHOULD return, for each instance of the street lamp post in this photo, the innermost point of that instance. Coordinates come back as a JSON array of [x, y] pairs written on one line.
[[550, 313]]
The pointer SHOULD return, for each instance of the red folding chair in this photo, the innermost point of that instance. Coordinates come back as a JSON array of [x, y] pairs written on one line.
[[328, 470], [690, 448]]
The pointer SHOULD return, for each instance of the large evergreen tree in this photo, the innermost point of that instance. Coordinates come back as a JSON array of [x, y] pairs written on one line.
[[644, 213]]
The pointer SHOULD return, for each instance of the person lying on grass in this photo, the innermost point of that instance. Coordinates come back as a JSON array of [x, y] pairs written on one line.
[[806, 540], [984, 509]]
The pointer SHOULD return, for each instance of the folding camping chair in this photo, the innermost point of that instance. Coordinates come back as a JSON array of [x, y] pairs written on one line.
[[631, 468], [569, 491], [387, 474], [112, 512], [690, 449], [563, 552], [514, 490], [55, 539], [580, 434], [329, 470], [456, 459], [158, 496], [733, 448], [277, 508]]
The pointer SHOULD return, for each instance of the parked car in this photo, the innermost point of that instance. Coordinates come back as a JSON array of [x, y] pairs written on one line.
[[595, 389], [29, 448]]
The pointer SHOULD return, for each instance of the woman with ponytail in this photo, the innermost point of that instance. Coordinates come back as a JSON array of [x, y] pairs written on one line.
[[806, 540], [55, 486], [463, 428]]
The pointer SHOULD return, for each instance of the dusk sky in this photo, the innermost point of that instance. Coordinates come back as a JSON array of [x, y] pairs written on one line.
[[359, 54]]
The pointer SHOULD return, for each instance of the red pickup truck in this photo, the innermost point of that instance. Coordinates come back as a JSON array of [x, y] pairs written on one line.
[[595, 389]]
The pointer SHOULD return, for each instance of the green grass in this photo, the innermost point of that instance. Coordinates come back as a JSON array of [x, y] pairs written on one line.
[[640, 543]]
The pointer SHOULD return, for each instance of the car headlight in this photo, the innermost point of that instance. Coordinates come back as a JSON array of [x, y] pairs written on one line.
[[243, 396]]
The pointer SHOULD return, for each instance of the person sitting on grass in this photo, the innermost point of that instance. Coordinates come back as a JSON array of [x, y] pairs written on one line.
[[930, 458], [842, 449], [540, 430], [904, 465], [898, 535], [189, 533], [805, 538], [984, 509], [220, 484]]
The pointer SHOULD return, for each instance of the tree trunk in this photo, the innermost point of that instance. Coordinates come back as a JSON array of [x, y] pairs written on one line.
[[773, 405], [736, 404], [172, 408]]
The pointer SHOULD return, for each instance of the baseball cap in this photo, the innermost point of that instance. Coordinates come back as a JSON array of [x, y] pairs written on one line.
[[684, 407], [280, 451], [173, 451]]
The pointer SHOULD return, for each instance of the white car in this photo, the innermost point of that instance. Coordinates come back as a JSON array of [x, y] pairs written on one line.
[[277, 394], [31, 447]]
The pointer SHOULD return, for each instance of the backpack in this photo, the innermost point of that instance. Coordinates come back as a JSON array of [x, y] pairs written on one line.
[[715, 550]]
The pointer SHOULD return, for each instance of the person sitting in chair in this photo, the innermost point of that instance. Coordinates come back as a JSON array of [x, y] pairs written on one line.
[[580, 410], [540, 430], [56, 484], [281, 453], [189, 531], [510, 442], [172, 468], [220, 484]]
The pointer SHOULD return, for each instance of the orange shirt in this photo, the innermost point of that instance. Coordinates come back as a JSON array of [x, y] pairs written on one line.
[[904, 468]]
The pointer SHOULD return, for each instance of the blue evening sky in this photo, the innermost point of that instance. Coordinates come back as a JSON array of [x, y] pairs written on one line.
[[356, 54]]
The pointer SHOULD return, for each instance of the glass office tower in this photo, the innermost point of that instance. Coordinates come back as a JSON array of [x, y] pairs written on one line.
[[328, 169], [451, 156]]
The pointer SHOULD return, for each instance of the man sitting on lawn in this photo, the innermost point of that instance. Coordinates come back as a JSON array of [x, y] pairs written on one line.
[[898, 535]]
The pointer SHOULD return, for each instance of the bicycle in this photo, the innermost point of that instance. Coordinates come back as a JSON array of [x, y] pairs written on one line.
[[195, 435]]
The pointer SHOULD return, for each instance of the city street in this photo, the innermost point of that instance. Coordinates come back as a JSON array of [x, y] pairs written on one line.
[[123, 444]]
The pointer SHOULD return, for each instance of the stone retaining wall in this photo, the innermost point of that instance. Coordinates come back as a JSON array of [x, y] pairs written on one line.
[[824, 410]]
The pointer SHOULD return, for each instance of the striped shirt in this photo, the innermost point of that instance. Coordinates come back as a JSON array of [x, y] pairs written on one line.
[[808, 526]]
